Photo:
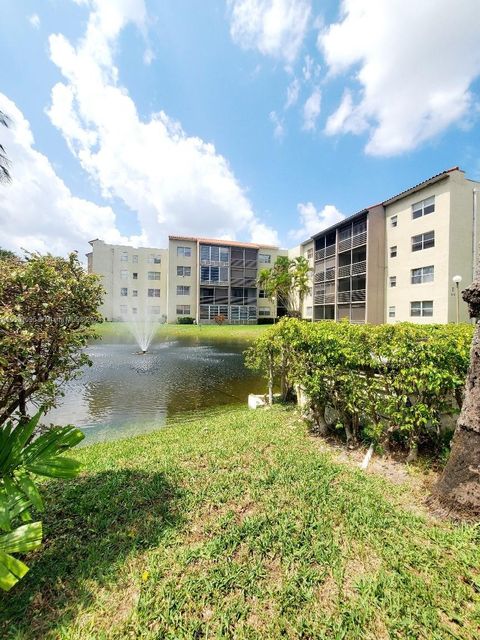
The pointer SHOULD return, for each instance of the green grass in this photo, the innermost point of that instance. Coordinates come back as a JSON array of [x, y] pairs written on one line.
[[237, 525], [109, 330]]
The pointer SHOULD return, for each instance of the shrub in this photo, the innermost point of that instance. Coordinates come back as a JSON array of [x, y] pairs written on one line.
[[186, 320]]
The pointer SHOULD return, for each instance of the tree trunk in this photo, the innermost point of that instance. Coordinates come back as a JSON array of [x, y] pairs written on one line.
[[270, 382], [459, 486]]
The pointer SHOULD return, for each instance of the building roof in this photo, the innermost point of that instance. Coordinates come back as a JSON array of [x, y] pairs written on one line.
[[233, 243], [436, 178]]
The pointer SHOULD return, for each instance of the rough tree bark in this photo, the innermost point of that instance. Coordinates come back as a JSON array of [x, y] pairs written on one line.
[[458, 489]]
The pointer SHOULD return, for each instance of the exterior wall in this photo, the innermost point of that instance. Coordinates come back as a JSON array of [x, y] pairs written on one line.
[[461, 240], [306, 249], [375, 298], [116, 267], [266, 306], [177, 260]]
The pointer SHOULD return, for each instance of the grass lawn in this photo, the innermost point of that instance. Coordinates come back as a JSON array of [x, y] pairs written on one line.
[[240, 525], [109, 330]]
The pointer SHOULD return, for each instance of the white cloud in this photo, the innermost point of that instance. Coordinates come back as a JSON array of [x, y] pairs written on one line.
[[313, 221], [310, 69], [37, 210], [174, 182], [276, 28], [311, 110], [415, 63], [293, 91], [34, 20], [278, 128], [148, 56]]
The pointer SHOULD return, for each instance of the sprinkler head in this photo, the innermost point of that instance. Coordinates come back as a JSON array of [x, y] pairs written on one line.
[[144, 351]]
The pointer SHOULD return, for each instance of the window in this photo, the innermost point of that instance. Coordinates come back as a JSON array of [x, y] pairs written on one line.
[[262, 293], [391, 312], [393, 281], [153, 293], [423, 274], [309, 254], [423, 241], [123, 309], [186, 252], [134, 311], [422, 308], [394, 221], [155, 311], [214, 253], [182, 290], [124, 274], [183, 309], [393, 252], [214, 274], [153, 275], [263, 311], [184, 271], [154, 259], [124, 257], [135, 293], [124, 291], [135, 259], [309, 312], [423, 208], [264, 258], [135, 276]]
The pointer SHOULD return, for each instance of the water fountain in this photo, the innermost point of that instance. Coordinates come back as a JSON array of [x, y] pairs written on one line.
[[143, 329]]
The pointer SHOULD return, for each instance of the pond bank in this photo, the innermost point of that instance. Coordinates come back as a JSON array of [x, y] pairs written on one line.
[[238, 525]]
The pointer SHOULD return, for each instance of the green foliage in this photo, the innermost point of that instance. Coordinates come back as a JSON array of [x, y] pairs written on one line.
[[185, 320], [48, 307], [21, 460], [287, 282], [391, 381]]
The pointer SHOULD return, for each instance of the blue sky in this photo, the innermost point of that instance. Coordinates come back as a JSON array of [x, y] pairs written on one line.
[[277, 116]]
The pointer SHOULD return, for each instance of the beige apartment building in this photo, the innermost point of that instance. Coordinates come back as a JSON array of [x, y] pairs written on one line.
[[391, 262], [431, 232]]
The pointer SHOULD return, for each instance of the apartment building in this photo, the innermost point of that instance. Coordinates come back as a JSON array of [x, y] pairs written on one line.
[[431, 232], [135, 279], [349, 271], [210, 278], [394, 261], [195, 277]]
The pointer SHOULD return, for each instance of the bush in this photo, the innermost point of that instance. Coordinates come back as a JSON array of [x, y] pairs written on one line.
[[185, 320], [385, 382], [266, 321]]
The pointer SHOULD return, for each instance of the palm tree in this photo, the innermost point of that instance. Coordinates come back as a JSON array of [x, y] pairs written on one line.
[[286, 283], [4, 161]]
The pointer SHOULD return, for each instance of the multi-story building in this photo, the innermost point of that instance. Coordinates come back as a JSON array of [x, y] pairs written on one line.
[[349, 269], [135, 279], [394, 261], [196, 277], [431, 232]]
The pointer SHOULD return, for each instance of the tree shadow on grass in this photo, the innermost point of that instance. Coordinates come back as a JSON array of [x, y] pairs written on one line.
[[91, 525]]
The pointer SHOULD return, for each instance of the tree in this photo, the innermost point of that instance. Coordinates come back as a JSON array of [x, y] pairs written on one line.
[[48, 307], [287, 283], [5, 254], [459, 486], [4, 161]]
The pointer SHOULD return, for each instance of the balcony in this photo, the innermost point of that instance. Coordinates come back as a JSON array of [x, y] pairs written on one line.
[[320, 254], [330, 274], [215, 283], [344, 270], [354, 241], [319, 277], [357, 295], [359, 267], [214, 263]]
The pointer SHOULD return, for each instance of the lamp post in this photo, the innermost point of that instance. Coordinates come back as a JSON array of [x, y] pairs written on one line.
[[457, 280]]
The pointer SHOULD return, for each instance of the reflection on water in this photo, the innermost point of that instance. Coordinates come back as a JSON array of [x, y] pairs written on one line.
[[125, 393]]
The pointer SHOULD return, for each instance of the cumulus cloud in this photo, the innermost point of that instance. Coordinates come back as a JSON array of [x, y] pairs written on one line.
[[37, 210], [313, 221], [413, 65], [34, 20], [311, 110], [276, 28], [173, 181]]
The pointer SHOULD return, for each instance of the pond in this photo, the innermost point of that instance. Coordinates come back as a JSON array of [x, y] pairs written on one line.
[[125, 393]]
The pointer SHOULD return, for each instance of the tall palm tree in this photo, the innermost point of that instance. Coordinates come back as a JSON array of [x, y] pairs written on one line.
[[4, 161]]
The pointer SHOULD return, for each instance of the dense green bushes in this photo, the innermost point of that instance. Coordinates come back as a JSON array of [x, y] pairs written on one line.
[[385, 383]]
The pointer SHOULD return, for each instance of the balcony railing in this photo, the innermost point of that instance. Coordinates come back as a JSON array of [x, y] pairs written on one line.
[[216, 283], [357, 295], [319, 277], [359, 267], [354, 241], [320, 254], [214, 263], [330, 250], [344, 270], [330, 274]]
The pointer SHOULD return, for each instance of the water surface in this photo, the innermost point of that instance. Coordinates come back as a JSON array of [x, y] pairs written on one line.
[[124, 393]]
